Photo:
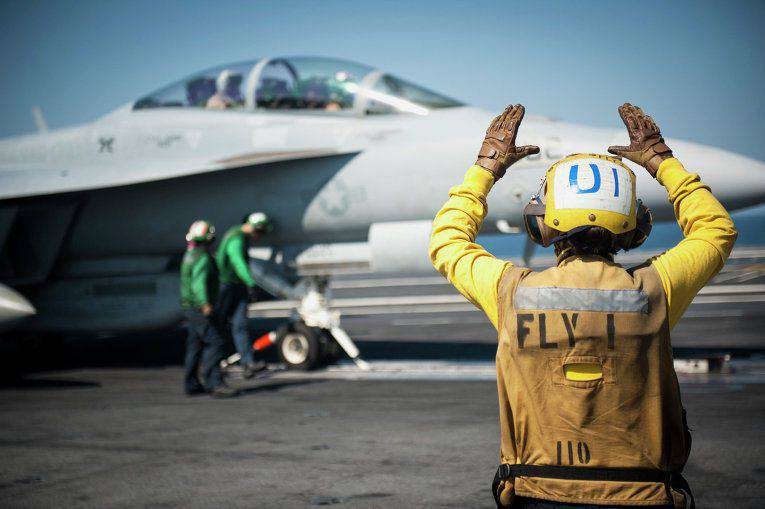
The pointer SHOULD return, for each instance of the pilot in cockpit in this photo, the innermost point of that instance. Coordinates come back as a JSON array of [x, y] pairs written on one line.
[[228, 93]]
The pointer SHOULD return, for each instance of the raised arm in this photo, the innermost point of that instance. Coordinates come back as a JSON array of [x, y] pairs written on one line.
[[453, 251], [708, 229], [709, 237]]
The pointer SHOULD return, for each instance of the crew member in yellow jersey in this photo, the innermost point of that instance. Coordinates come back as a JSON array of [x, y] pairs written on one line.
[[589, 403]]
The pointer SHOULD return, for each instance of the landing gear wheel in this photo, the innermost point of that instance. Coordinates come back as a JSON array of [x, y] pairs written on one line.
[[300, 347]]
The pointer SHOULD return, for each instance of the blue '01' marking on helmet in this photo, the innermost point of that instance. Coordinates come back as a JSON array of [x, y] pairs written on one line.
[[616, 182], [573, 179]]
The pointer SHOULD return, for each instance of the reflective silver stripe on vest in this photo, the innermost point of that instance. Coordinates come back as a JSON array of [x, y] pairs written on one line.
[[581, 299]]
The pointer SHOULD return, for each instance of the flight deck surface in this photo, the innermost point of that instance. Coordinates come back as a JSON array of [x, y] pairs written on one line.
[[110, 427], [127, 437]]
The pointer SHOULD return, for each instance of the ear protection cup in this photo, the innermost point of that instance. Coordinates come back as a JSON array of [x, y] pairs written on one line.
[[534, 221], [643, 226]]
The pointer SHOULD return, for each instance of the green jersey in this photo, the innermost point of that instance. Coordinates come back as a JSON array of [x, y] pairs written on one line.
[[199, 278], [232, 258]]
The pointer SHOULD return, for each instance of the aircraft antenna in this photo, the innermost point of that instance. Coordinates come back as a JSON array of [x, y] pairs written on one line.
[[37, 114]]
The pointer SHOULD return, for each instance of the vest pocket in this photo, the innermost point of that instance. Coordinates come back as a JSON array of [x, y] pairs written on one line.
[[581, 371]]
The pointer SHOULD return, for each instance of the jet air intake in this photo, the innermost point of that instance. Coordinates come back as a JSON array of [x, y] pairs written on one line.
[[391, 247], [400, 246]]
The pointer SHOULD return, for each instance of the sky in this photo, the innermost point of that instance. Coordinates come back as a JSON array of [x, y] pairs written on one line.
[[696, 66]]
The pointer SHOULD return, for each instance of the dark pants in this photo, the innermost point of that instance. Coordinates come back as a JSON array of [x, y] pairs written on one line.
[[232, 308], [533, 503], [204, 350]]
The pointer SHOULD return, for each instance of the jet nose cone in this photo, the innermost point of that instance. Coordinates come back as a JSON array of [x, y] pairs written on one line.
[[737, 181], [13, 306], [749, 182]]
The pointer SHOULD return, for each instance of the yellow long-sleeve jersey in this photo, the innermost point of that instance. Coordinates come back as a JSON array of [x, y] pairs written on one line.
[[708, 229]]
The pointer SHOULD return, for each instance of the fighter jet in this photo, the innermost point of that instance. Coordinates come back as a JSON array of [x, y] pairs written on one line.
[[351, 163]]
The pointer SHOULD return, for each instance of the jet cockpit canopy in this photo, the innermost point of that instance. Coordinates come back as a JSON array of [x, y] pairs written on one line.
[[300, 84]]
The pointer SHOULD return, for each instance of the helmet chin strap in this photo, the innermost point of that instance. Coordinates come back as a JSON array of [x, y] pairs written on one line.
[[565, 250], [573, 231], [561, 252]]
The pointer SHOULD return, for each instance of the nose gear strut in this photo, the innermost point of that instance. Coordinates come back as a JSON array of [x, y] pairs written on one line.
[[314, 332]]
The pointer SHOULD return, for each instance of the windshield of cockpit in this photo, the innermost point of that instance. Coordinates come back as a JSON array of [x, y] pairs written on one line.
[[329, 85], [299, 84], [218, 88], [304, 83]]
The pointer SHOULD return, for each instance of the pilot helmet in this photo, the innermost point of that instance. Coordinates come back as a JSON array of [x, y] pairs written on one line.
[[583, 191]]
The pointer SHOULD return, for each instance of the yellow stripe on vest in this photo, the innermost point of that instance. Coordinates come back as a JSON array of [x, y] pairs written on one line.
[[583, 371]]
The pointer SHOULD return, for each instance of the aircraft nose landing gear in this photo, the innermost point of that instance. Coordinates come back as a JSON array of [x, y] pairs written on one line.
[[313, 337], [316, 337]]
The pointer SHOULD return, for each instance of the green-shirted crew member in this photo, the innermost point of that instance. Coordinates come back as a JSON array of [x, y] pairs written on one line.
[[199, 292], [236, 284], [589, 405]]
